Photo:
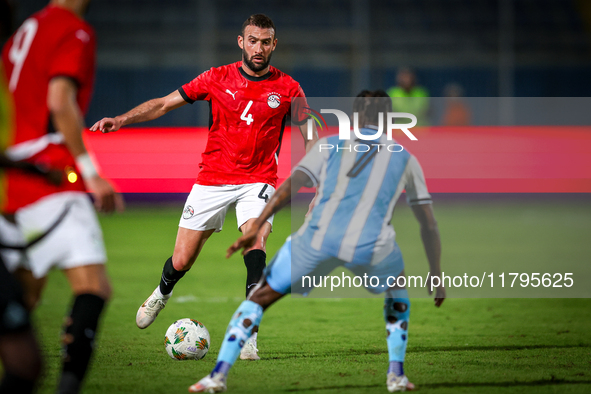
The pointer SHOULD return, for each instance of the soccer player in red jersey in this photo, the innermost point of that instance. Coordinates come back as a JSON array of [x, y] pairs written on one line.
[[49, 66], [250, 102]]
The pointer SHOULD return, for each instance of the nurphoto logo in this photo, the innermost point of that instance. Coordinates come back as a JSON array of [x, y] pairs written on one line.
[[345, 129]]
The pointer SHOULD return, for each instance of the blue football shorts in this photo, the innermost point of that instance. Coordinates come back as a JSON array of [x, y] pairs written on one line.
[[297, 259]]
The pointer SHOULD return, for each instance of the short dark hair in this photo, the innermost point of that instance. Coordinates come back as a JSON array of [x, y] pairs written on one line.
[[259, 20], [369, 104]]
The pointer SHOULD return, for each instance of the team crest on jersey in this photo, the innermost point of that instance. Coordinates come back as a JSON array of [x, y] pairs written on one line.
[[188, 212], [274, 100]]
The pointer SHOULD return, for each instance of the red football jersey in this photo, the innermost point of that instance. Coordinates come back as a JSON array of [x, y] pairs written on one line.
[[247, 119], [53, 42]]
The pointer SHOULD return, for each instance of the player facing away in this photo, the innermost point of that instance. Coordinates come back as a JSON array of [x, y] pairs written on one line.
[[249, 103], [49, 66], [349, 226]]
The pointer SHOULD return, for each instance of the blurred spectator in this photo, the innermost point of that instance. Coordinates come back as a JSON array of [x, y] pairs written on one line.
[[456, 112], [407, 96]]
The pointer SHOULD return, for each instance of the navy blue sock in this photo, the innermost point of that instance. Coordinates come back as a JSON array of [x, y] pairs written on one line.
[[221, 367], [396, 367]]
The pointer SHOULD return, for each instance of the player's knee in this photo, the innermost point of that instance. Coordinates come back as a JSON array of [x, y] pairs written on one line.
[[258, 245], [182, 262], [106, 291], [101, 289], [261, 240]]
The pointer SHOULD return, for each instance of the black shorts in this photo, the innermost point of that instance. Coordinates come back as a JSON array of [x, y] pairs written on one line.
[[14, 317]]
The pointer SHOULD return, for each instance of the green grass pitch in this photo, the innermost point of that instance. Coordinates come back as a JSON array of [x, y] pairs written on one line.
[[338, 345]]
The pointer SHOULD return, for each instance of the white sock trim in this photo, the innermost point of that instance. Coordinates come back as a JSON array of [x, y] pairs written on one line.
[[160, 295]]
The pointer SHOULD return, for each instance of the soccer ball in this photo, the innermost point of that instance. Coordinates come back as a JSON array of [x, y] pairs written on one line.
[[187, 339]]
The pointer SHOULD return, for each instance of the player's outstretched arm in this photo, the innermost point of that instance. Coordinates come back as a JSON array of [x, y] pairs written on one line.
[[149, 110], [67, 118], [432, 243], [278, 200]]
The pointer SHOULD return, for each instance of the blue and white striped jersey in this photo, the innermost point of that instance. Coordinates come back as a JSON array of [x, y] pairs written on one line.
[[358, 185]]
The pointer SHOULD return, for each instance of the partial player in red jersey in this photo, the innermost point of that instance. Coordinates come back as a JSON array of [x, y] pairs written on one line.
[[49, 66], [250, 102], [20, 353]]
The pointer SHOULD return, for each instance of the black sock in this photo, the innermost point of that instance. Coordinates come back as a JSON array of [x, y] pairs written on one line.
[[69, 383], [255, 264], [79, 337], [169, 277], [12, 384]]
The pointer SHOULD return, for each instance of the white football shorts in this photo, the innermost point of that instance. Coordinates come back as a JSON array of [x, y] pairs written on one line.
[[11, 235], [206, 206], [76, 239]]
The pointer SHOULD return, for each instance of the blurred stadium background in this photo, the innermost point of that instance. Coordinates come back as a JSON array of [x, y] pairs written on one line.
[[491, 48]]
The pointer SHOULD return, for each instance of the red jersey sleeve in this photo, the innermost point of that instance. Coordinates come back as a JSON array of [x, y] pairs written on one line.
[[74, 57], [197, 89], [299, 111]]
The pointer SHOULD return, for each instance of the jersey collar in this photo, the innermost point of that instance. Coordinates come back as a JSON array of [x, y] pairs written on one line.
[[251, 78]]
